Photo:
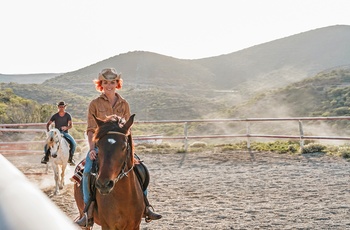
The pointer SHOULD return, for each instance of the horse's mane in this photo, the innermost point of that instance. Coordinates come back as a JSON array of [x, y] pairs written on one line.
[[115, 126], [49, 138]]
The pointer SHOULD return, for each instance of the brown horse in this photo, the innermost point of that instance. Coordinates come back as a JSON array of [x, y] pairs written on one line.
[[119, 200]]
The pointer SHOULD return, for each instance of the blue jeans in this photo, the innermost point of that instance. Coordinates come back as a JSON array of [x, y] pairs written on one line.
[[45, 148], [86, 174], [72, 141]]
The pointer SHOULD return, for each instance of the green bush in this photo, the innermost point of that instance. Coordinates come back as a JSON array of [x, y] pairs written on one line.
[[313, 148], [343, 151], [198, 144], [276, 146]]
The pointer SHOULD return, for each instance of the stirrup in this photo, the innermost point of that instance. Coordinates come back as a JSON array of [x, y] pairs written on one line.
[[84, 221], [147, 219], [71, 162], [150, 215]]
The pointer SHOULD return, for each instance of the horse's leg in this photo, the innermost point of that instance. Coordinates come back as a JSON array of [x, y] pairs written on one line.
[[78, 196], [63, 174], [56, 176]]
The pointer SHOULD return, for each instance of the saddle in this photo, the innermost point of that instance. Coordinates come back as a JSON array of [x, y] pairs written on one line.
[[142, 173], [140, 170]]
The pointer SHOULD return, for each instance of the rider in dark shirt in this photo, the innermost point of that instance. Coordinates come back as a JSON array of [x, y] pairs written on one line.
[[63, 122]]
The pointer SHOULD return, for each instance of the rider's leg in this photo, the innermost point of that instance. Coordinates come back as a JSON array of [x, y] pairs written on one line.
[[73, 145], [88, 214], [149, 214], [86, 174], [45, 159]]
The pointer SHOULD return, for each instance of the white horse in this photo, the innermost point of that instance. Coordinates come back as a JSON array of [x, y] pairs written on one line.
[[59, 149]]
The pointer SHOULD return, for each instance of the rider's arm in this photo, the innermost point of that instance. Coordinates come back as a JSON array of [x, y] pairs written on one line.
[[70, 125], [92, 151], [48, 125]]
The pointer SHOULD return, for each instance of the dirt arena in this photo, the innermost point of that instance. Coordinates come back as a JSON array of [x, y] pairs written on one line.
[[230, 190]]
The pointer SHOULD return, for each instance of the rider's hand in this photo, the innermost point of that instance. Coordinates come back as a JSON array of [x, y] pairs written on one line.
[[92, 154]]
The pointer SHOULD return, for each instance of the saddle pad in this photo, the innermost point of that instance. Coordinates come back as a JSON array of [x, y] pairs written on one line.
[[78, 173], [140, 169]]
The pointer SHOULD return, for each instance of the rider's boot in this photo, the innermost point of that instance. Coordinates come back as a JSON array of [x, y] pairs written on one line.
[[149, 214], [87, 219], [45, 159], [70, 159]]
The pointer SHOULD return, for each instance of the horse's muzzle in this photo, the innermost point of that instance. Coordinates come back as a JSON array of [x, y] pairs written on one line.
[[104, 186]]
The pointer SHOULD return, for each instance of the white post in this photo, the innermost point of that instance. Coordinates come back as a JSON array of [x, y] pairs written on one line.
[[301, 131], [248, 133], [25, 206], [186, 139]]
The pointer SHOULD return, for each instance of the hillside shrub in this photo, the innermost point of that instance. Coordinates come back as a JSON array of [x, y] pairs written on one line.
[[276, 146], [242, 145], [342, 151], [198, 144], [313, 148]]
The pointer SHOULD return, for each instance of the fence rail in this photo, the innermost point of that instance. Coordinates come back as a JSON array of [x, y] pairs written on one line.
[[186, 137]]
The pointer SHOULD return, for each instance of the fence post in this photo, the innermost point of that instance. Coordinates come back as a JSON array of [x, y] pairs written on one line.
[[248, 134], [301, 131], [186, 135]]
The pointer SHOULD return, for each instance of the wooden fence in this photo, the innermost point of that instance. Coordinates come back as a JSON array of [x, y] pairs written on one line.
[[248, 135]]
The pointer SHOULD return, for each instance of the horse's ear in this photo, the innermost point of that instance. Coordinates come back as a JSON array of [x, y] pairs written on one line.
[[98, 121], [129, 123]]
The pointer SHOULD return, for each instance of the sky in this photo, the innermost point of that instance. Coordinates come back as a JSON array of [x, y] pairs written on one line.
[[57, 36]]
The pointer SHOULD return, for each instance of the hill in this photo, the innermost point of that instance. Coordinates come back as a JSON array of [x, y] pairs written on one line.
[[45, 95], [162, 87], [283, 61], [323, 95], [27, 78], [277, 63]]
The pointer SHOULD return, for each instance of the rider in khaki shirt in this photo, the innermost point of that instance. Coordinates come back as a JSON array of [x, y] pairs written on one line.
[[108, 105], [102, 108]]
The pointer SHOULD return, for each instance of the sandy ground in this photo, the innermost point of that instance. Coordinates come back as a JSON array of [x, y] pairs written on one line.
[[230, 190]]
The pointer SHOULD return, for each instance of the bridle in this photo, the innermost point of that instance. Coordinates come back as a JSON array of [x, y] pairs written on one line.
[[123, 173]]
